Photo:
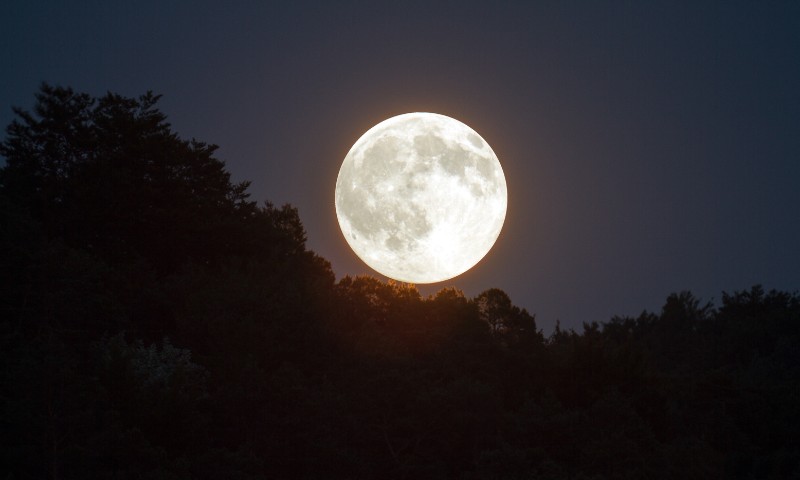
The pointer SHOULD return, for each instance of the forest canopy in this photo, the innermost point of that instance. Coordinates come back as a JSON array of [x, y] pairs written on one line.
[[157, 323]]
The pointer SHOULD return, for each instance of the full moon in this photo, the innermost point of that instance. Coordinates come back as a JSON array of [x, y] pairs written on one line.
[[421, 197]]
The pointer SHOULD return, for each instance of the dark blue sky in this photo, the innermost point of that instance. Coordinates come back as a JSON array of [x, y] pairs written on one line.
[[648, 147]]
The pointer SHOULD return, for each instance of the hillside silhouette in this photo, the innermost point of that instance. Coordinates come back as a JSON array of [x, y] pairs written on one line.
[[156, 323]]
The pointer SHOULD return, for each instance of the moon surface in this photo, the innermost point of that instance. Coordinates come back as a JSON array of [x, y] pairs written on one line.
[[421, 197]]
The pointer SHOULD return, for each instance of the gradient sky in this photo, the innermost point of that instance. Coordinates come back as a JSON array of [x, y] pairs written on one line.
[[649, 147]]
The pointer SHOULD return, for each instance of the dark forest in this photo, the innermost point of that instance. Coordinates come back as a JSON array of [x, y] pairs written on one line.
[[156, 323]]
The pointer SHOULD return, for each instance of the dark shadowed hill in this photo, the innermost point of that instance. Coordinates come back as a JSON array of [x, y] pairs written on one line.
[[157, 324]]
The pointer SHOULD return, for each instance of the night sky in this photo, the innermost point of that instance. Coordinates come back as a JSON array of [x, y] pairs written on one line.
[[648, 147]]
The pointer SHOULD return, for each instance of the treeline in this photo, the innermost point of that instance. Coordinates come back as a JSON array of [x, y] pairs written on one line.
[[157, 324]]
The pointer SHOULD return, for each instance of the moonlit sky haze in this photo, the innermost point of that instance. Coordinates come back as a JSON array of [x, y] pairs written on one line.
[[649, 147]]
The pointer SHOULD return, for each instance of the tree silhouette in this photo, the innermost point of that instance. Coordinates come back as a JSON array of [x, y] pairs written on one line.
[[108, 175], [155, 323], [506, 322]]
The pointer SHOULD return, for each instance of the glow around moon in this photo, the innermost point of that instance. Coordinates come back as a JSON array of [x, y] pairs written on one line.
[[421, 197]]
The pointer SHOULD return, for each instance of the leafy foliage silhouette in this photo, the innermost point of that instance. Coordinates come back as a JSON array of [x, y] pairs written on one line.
[[156, 323]]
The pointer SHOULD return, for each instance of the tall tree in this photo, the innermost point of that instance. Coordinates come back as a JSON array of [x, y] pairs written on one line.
[[507, 322], [108, 175]]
